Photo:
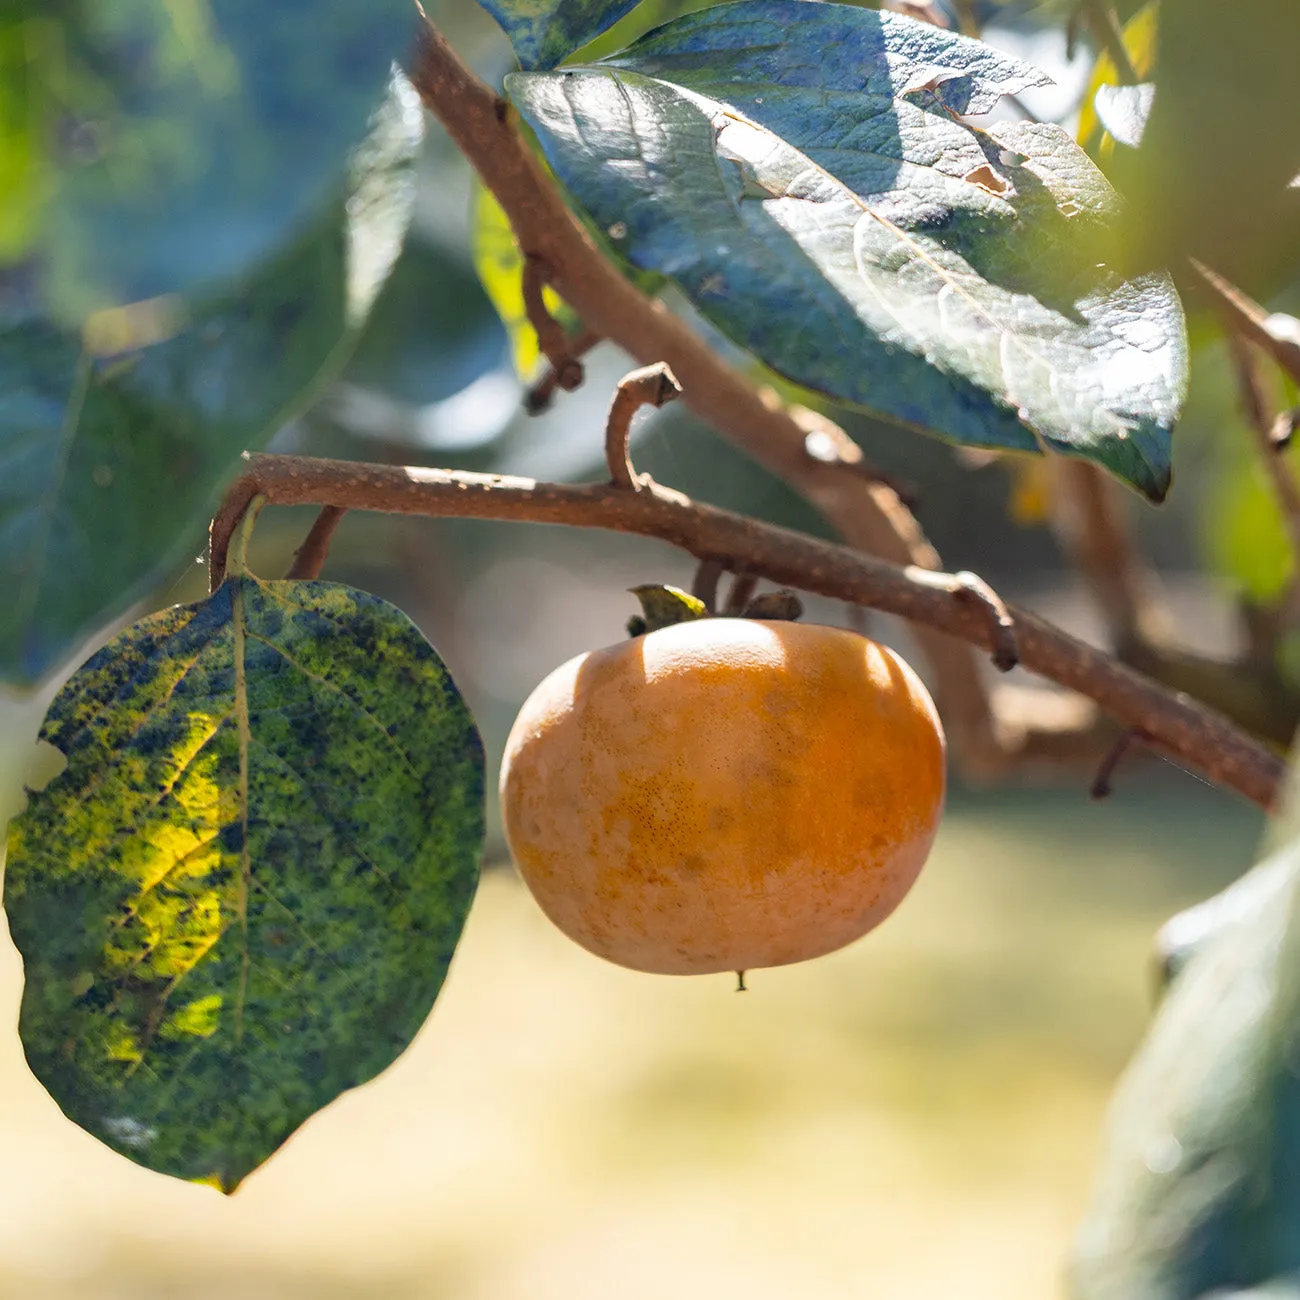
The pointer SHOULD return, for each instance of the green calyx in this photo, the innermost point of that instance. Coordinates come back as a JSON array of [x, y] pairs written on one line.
[[663, 606]]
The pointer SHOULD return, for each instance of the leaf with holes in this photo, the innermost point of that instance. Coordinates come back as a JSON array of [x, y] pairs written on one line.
[[241, 895], [545, 31], [111, 453], [801, 171]]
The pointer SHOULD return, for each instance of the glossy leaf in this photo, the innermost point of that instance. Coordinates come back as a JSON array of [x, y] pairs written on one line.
[[169, 147], [799, 171], [545, 31], [1199, 1192], [109, 459], [241, 895]]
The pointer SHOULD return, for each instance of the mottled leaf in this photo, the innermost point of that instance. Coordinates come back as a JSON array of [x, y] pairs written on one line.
[[241, 895], [113, 443], [545, 31], [800, 172], [172, 146], [1199, 1192]]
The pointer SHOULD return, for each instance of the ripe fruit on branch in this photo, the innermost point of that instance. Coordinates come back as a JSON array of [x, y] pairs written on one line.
[[724, 794]]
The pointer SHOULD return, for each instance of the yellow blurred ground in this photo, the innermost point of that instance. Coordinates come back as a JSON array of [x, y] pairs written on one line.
[[914, 1118]]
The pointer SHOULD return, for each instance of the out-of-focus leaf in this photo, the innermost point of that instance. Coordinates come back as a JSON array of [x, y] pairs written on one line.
[[800, 172], [545, 31], [170, 146], [1123, 111], [1139, 36], [1199, 1192], [500, 267], [1243, 533], [432, 332], [1221, 146], [109, 458], [240, 897]]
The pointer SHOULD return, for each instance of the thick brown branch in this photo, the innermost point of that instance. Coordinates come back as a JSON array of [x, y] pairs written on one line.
[[867, 514], [1182, 729]]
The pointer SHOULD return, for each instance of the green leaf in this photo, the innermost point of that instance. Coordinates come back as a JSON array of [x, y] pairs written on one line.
[[171, 146], [545, 31], [113, 446], [1199, 1191], [240, 897], [800, 171]]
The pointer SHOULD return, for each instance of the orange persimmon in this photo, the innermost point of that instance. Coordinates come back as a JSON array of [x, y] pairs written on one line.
[[724, 794]]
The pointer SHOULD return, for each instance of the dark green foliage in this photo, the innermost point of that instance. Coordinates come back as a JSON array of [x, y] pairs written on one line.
[[543, 32], [169, 147], [109, 463], [799, 172], [241, 896]]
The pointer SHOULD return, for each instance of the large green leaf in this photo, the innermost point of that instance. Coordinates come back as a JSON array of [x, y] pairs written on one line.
[[169, 146], [109, 462], [1199, 1192], [801, 171], [241, 895], [545, 31]]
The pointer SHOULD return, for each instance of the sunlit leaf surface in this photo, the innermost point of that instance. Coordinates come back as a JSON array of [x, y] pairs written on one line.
[[802, 172]]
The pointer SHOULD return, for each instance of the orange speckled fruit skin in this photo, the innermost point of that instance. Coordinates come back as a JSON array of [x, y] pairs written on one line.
[[724, 795]]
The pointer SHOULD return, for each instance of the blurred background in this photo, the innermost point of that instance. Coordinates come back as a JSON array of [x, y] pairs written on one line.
[[915, 1117]]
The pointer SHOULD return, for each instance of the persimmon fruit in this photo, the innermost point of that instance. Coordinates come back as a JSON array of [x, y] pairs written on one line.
[[725, 794]]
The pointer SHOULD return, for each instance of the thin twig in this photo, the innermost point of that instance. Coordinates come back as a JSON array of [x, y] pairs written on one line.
[[1262, 420], [1245, 316], [705, 587], [1101, 783], [1193, 735], [743, 586], [1088, 518], [649, 386], [551, 338], [539, 397], [1109, 36], [309, 559]]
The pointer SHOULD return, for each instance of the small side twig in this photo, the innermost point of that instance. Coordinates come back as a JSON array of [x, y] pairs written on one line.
[[309, 558], [1243, 315], [551, 338], [539, 397], [971, 587], [1263, 423], [649, 386], [1101, 783], [743, 586], [1108, 35], [705, 587]]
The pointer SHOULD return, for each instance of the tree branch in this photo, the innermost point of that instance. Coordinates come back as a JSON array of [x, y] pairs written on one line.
[[1184, 730], [867, 514]]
